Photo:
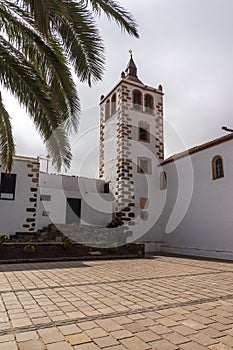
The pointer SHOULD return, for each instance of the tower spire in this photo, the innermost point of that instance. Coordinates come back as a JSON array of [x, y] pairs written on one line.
[[131, 70]]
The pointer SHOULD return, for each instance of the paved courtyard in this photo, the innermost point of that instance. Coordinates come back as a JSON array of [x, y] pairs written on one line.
[[159, 303]]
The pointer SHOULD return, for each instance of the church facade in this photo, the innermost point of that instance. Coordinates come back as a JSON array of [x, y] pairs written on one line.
[[182, 204]]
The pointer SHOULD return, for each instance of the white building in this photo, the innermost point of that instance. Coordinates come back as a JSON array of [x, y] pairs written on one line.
[[179, 205], [31, 200], [205, 216], [19, 196], [67, 199]]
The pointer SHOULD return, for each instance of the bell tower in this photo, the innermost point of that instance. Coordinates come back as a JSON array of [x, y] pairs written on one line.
[[131, 145]]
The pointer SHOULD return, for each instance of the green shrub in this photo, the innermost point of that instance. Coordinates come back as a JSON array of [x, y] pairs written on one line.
[[67, 243], [30, 249], [3, 239]]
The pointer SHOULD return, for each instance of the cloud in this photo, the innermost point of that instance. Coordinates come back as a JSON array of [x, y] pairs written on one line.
[[184, 45]]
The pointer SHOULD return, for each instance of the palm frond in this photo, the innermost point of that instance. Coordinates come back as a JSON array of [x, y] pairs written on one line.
[[80, 40], [39, 42], [49, 61], [113, 10], [25, 84], [86, 54], [7, 146]]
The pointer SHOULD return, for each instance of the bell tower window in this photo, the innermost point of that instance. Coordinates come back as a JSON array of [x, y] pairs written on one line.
[[113, 104], [149, 104], [137, 99], [107, 110]]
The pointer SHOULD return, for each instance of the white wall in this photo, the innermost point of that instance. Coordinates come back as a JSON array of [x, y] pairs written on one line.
[[130, 148], [56, 208], [14, 214], [206, 228], [146, 185], [96, 206], [110, 151]]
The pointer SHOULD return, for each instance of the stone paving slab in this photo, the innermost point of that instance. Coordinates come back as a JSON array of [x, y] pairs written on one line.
[[161, 303]]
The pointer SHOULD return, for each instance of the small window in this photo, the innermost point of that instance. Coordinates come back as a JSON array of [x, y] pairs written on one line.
[[107, 110], [144, 202], [163, 181], [137, 99], [144, 131], [7, 186], [143, 134], [45, 197], [113, 104], [144, 166], [149, 104], [106, 187], [217, 167]]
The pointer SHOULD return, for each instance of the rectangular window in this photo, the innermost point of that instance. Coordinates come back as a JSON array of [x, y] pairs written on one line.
[[143, 134], [144, 166], [106, 187], [7, 186], [143, 131]]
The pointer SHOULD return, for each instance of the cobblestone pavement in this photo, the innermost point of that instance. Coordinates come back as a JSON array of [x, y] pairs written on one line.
[[159, 303]]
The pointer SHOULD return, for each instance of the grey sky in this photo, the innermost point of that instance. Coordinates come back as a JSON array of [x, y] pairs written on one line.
[[185, 45]]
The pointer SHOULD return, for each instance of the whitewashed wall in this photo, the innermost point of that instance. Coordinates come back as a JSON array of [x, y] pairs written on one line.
[[206, 228], [96, 207], [110, 151], [19, 215], [146, 185]]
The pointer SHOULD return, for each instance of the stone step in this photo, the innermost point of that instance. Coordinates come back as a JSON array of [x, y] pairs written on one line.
[[97, 236]]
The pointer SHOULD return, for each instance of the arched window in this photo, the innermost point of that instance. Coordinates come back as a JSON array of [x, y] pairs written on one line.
[[163, 180], [137, 99], [113, 104], [149, 103], [217, 167], [107, 110]]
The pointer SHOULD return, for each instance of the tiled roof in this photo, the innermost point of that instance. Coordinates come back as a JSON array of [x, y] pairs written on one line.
[[198, 148]]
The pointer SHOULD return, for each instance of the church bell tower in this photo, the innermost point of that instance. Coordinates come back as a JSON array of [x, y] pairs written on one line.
[[131, 146]]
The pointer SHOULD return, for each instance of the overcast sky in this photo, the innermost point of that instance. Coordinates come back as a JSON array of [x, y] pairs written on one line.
[[185, 45]]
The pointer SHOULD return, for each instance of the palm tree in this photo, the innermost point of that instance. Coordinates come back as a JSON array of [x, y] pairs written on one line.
[[40, 42]]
